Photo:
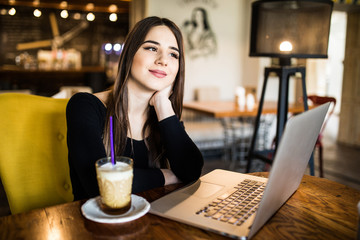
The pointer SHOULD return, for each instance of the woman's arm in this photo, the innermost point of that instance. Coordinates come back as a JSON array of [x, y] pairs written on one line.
[[185, 158], [85, 120], [169, 176]]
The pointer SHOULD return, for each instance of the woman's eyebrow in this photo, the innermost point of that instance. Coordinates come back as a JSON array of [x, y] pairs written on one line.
[[156, 43]]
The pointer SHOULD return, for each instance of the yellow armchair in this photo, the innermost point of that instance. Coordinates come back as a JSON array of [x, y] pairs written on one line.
[[33, 152]]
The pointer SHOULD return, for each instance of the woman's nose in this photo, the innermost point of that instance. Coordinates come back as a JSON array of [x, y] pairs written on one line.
[[161, 59]]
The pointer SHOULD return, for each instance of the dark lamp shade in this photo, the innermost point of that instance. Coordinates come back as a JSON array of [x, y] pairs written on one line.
[[303, 25]]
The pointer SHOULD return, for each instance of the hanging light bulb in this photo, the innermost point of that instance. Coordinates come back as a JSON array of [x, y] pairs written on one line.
[[36, 3], [64, 14], [90, 17], [89, 7], [77, 16], [108, 47], [64, 4], [117, 48], [113, 17], [3, 11], [37, 13], [113, 8], [12, 11]]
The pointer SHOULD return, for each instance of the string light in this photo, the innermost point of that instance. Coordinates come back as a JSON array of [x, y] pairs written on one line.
[[113, 17]]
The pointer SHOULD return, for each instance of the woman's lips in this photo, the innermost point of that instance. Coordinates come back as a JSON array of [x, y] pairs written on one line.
[[158, 73]]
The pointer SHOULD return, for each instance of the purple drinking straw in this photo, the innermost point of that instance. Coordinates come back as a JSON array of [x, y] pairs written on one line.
[[112, 141]]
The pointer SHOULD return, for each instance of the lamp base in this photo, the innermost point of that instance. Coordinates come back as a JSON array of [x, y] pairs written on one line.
[[285, 61]]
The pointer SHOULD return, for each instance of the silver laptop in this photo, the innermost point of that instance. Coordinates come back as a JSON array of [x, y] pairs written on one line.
[[238, 205]]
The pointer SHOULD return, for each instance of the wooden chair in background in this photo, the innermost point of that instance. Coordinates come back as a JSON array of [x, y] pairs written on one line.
[[318, 100]]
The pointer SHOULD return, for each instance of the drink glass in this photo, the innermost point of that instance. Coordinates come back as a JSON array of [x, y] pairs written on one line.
[[115, 183]]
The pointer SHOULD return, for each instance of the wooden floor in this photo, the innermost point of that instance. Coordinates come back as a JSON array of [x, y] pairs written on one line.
[[341, 164]]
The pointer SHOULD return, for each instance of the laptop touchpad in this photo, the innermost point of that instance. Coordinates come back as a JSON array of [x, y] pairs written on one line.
[[202, 189]]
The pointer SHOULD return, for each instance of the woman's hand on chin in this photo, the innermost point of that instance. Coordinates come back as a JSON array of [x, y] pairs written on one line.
[[162, 104], [162, 95]]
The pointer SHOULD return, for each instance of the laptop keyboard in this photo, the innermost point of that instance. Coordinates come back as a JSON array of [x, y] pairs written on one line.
[[237, 205]]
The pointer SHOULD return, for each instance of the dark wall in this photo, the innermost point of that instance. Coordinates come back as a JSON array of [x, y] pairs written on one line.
[[24, 27]]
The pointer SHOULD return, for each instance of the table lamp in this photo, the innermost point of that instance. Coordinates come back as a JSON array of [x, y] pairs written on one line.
[[287, 29], [290, 29]]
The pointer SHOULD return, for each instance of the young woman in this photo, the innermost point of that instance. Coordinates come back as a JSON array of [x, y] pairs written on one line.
[[146, 104]]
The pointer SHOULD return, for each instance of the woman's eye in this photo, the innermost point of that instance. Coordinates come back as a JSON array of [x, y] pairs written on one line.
[[174, 55], [153, 49]]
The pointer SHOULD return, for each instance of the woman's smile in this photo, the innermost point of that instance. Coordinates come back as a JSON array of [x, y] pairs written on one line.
[[158, 73]]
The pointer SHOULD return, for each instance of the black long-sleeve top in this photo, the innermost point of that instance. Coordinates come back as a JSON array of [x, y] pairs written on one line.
[[85, 115]]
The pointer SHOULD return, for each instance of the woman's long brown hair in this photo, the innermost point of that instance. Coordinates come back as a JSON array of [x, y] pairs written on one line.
[[117, 102]]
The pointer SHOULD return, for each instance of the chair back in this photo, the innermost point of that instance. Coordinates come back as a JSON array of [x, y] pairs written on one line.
[[318, 100], [34, 166]]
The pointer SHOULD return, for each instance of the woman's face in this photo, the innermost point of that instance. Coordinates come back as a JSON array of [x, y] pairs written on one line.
[[156, 62], [199, 16]]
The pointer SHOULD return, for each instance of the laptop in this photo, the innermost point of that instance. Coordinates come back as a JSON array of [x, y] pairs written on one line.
[[238, 205]]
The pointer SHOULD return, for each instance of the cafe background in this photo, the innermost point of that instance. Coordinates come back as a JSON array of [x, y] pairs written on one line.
[[224, 68]]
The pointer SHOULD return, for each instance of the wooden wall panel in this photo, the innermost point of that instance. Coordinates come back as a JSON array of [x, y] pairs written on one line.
[[349, 127]]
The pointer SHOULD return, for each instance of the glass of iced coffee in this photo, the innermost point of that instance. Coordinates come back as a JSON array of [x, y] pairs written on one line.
[[115, 182]]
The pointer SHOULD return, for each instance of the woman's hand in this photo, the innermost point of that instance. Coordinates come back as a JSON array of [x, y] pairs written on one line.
[[170, 177], [162, 104]]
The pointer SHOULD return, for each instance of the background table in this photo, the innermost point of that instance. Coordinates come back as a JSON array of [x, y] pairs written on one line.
[[237, 123], [320, 209], [223, 109]]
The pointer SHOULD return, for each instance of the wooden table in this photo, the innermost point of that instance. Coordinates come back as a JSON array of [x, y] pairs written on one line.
[[319, 209], [222, 109], [234, 121]]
